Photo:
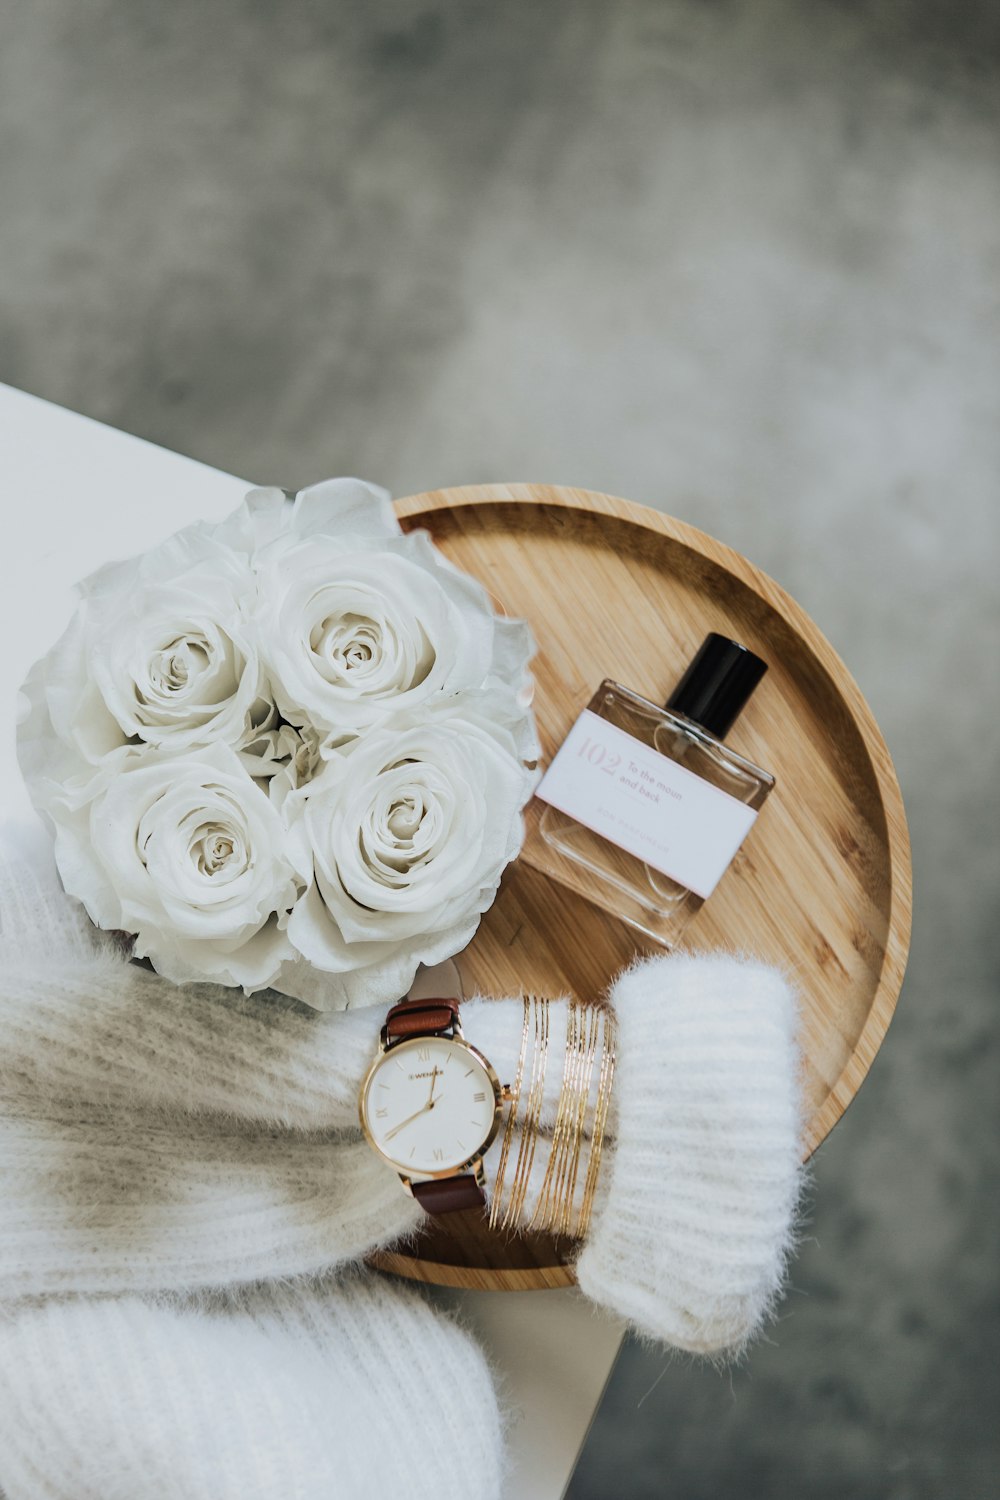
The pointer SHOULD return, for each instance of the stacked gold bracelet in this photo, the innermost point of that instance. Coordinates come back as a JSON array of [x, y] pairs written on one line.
[[589, 1029]]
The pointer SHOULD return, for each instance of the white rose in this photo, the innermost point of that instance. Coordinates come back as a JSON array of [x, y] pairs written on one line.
[[269, 744], [410, 831], [159, 652], [187, 853], [354, 627]]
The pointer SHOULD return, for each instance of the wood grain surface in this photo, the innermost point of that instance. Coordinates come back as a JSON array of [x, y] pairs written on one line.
[[822, 887]]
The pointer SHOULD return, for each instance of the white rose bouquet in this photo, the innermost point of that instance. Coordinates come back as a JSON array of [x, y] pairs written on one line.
[[290, 750]]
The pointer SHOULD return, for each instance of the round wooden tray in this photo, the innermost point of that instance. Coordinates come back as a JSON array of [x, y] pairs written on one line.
[[822, 888]]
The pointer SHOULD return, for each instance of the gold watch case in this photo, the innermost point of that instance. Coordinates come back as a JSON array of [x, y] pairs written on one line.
[[472, 1162]]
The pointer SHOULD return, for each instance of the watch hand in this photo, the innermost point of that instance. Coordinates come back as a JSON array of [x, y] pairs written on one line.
[[410, 1118]]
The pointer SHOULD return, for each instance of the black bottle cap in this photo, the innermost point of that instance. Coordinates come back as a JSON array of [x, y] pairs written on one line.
[[717, 684]]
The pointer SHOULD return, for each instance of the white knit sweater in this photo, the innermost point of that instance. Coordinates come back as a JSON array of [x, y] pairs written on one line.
[[321, 1391], [156, 1139]]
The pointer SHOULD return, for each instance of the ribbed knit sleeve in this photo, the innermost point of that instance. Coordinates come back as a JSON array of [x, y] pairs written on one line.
[[121, 1205], [695, 1215]]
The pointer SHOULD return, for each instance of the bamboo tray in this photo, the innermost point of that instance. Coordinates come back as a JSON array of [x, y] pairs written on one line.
[[822, 888]]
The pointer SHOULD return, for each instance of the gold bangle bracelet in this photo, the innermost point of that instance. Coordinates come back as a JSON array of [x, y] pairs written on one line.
[[588, 1028], [538, 1009], [508, 1134], [609, 1054], [553, 1210]]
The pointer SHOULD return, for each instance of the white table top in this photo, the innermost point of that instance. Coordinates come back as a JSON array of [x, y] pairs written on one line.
[[79, 494]]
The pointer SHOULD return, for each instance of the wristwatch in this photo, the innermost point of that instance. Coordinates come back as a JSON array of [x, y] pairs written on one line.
[[430, 1105]]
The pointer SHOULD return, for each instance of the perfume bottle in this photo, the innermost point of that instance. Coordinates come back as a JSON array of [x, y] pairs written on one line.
[[645, 805]]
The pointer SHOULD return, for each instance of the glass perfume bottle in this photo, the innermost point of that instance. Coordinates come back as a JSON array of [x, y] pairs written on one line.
[[645, 805]]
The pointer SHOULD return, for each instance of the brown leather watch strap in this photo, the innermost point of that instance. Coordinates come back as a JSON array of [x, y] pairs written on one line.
[[431, 1017], [446, 1195], [420, 1018]]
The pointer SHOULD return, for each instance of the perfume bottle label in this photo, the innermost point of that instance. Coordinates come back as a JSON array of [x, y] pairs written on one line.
[[646, 803]]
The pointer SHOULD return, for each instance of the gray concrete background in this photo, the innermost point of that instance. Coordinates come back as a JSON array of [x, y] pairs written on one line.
[[739, 260]]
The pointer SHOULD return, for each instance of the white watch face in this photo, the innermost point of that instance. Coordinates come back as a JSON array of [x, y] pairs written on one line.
[[429, 1105]]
